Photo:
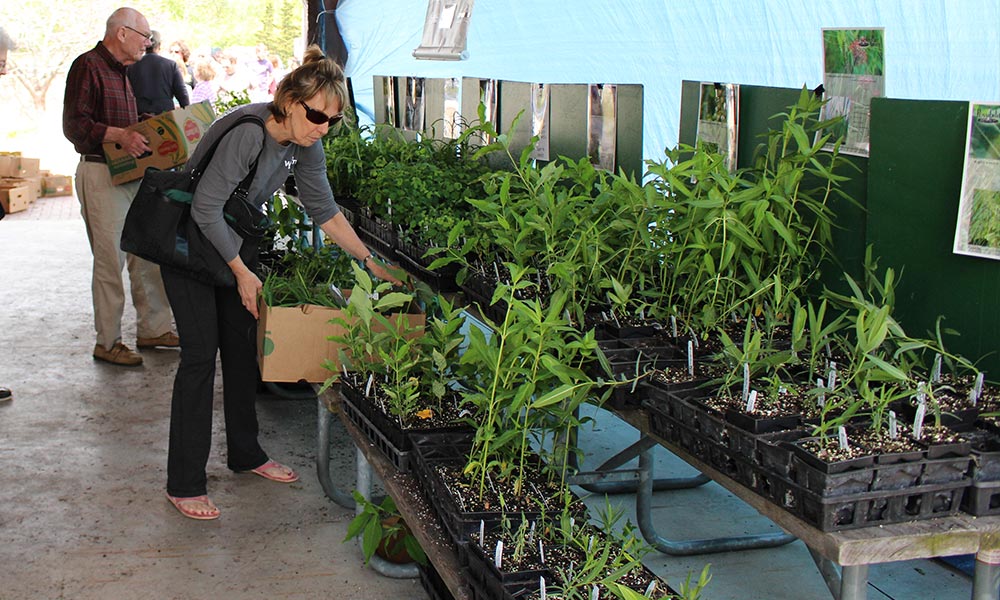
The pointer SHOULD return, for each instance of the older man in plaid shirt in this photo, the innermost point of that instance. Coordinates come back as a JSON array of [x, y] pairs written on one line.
[[99, 106]]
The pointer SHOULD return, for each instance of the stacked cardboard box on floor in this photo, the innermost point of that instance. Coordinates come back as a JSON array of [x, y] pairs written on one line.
[[22, 181]]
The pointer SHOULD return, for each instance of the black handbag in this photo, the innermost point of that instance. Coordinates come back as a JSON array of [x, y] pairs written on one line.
[[159, 227]]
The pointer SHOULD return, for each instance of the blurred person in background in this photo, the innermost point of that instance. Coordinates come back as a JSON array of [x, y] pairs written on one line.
[[262, 72], [204, 87], [277, 72], [234, 77], [181, 54], [6, 44], [157, 81], [98, 107]]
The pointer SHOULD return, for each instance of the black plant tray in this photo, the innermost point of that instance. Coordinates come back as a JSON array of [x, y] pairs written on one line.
[[477, 291], [613, 330], [775, 452], [482, 569], [876, 508], [400, 458], [377, 234], [982, 498], [985, 459], [410, 256], [351, 209], [885, 472], [432, 583], [759, 425]]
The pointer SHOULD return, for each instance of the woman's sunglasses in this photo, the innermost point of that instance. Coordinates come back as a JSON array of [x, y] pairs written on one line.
[[319, 117]]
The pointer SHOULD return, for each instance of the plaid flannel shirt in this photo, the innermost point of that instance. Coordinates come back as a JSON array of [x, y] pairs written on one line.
[[98, 96]]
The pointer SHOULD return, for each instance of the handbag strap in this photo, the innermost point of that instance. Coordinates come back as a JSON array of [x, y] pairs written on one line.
[[244, 186]]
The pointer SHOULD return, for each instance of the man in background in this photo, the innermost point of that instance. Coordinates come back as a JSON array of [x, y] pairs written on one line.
[[6, 43], [98, 107], [157, 81]]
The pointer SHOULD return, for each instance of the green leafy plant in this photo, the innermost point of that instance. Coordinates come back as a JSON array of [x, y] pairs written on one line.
[[381, 526]]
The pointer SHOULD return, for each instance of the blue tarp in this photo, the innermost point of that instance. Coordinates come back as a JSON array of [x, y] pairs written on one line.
[[934, 49]]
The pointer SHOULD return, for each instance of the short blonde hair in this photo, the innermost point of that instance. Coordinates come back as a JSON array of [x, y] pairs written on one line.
[[317, 75], [204, 71]]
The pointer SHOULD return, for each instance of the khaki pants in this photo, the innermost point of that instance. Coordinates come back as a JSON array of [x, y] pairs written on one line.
[[104, 206]]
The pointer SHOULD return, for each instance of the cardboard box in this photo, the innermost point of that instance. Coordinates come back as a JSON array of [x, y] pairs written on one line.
[[292, 344], [172, 136], [10, 166], [35, 183], [15, 198], [29, 167], [57, 185]]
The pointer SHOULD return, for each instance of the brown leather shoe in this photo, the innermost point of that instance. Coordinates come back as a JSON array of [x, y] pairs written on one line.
[[167, 340], [120, 354]]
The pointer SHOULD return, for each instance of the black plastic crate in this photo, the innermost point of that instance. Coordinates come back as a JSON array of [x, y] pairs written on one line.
[[432, 583], [982, 498], [401, 459]]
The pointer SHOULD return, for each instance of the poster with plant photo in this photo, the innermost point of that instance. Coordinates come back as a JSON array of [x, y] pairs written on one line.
[[602, 125], [718, 111], [853, 74], [413, 118], [540, 120], [977, 232]]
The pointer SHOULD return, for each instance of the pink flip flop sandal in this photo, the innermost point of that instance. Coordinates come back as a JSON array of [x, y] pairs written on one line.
[[196, 507], [276, 471]]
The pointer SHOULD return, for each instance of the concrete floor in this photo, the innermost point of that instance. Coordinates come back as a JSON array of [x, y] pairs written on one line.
[[83, 453], [83, 458]]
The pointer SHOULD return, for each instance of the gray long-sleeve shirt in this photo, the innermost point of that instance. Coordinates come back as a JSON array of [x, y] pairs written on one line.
[[231, 164]]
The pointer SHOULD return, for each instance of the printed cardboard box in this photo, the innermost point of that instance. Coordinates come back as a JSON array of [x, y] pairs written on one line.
[[15, 198], [292, 342], [172, 136], [57, 185]]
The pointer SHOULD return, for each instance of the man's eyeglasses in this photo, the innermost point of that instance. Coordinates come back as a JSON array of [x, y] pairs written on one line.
[[148, 36], [319, 117]]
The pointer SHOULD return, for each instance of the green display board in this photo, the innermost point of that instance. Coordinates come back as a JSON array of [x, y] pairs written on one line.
[[917, 153], [760, 108]]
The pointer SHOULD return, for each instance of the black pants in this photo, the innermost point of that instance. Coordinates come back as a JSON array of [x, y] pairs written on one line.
[[209, 320]]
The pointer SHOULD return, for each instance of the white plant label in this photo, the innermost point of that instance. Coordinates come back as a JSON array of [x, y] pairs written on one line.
[[918, 419], [541, 552], [746, 381], [650, 589], [368, 386], [482, 532], [978, 389], [541, 587], [821, 398], [936, 370], [690, 358], [498, 555], [893, 425], [832, 376], [595, 594], [673, 326], [842, 438], [751, 401]]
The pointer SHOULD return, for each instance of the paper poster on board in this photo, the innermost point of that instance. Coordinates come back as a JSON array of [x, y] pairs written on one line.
[[853, 74], [488, 96], [389, 99], [977, 232], [413, 117], [540, 120], [452, 108], [602, 125], [718, 110]]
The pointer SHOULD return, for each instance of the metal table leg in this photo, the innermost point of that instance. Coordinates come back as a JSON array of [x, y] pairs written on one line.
[[986, 579], [853, 582], [323, 458], [609, 479], [643, 503]]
